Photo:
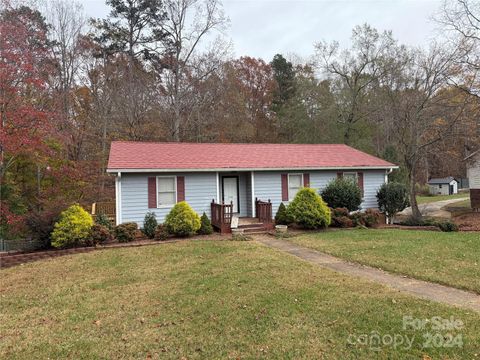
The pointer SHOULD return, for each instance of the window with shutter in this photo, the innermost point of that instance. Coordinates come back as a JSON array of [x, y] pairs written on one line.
[[166, 191], [295, 182]]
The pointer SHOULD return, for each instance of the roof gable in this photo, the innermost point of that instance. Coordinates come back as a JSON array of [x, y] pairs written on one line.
[[144, 156]]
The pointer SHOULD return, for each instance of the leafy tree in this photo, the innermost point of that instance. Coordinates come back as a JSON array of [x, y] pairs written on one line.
[[284, 75], [308, 210], [132, 28], [342, 193], [24, 113], [392, 198]]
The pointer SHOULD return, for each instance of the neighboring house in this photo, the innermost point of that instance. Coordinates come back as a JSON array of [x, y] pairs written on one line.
[[443, 186], [155, 176], [473, 174]]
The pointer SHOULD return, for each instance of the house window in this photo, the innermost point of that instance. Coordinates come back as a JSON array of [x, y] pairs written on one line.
[[167, 191], [439, 186], [295, 182], [351, 176]]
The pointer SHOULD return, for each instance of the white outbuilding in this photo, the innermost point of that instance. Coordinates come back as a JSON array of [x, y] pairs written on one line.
[[443, 186]]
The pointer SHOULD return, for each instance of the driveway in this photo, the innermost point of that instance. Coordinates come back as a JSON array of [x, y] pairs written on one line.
[[433, 209]]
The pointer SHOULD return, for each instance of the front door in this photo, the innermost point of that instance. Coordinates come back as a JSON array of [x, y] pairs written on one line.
[[230, 192]]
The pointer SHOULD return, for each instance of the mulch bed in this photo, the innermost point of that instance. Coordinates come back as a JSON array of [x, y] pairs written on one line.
[[468, 222]]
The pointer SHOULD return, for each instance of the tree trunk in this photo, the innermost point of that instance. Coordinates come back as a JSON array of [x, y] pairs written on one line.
[[416, 214]]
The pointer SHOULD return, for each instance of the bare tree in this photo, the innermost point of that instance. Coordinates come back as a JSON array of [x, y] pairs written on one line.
[[188, 26], [67, 23], [461, 20], [354, 73], [420, 106]]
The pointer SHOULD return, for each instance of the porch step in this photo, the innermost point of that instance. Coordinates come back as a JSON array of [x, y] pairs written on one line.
[[253, 225], [255, 230]]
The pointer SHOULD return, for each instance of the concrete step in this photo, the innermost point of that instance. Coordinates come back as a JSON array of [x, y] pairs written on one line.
[[256, 229]]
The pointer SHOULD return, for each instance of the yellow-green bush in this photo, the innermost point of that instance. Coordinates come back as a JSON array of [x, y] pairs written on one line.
[[182, 220], [308, 210], [73, 228]]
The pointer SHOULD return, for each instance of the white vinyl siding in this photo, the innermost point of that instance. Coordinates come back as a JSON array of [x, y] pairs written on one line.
[[268, 185], [200, 189]]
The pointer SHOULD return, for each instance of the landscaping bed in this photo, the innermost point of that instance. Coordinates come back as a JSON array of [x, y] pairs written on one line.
[[208, 300]]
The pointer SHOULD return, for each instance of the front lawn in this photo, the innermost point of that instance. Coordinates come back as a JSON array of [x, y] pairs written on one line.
[[209, 300], [434, 198], [447, 258]]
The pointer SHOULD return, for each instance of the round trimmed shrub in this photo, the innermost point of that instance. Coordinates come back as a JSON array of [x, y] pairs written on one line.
[[308, 210], [206, 227], [126, 232], [150, 224], [73, 227], [99, 234], [182, 220], [392, 198], [342, 193]]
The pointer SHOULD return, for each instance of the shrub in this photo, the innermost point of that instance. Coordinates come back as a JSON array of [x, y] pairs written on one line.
[[99, 234], [282, 217], [423, 190], [182, 220], [342, 193], [340, 218], [342, 222], [73, 228], [308, 210], [447, 226], [126, 232], [102, 219], [371, 217], [205, 225], [41, 225], [392, 198], [161, 232], [150, 224]]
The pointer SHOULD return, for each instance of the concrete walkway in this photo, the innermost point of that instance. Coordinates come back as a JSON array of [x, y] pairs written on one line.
[[418, 288], [434, 209]]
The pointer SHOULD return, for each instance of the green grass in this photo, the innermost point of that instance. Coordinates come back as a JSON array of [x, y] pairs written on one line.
[[447, 258], [429, 199], [206, 300], [460, 204]]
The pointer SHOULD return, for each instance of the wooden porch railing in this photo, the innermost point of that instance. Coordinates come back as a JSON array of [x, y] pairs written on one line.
[[107, 208], [221, 215], [263, 210]]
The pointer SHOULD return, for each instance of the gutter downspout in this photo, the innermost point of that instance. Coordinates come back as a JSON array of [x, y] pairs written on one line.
[[118, 198]]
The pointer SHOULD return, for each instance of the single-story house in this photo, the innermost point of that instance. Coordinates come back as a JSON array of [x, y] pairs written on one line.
[[443, 186], [250, 180], [473, 174]]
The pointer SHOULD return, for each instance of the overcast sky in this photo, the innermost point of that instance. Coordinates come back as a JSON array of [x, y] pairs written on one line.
[[263, 28]]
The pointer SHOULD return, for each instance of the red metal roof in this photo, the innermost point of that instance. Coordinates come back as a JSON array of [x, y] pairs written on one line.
[[126, 155]]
